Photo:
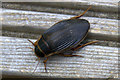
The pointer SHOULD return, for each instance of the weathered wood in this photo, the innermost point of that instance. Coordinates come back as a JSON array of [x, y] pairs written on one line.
[[98, 61], [38, 22], [106, 9]]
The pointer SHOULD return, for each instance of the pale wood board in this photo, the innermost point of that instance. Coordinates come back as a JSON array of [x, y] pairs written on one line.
[[98, 61], [30, 20], [38, 22]]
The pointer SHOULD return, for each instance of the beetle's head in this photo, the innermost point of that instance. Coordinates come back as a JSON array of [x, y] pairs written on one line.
[[38, 52]]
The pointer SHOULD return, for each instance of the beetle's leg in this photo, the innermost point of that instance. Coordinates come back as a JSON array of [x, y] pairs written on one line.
[[36, 66], [69, 55], [75, 17], [45, 64], [84, 45]]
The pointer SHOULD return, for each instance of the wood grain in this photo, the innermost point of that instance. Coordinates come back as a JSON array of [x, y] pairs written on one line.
[[98, 61], [21, 21], [38, 22]]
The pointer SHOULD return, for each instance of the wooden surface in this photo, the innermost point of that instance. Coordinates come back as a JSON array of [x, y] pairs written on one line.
[[38, 22], [101, 9], [100, 60]]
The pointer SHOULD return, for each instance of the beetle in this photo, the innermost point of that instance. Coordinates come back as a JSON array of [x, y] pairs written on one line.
[[64, 35]]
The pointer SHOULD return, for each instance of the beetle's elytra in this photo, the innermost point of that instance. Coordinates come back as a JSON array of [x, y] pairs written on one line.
[[64, 35]]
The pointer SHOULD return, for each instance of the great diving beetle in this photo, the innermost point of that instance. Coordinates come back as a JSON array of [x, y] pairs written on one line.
[[64, 35]]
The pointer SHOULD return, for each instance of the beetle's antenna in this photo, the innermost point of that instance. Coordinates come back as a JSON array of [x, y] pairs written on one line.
[[36, 66], [26, 47], [31, 42], [81, 14]]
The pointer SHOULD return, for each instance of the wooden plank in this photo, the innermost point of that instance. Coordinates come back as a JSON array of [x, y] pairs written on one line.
[[38, 22], [98, 61], [105, 9]]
